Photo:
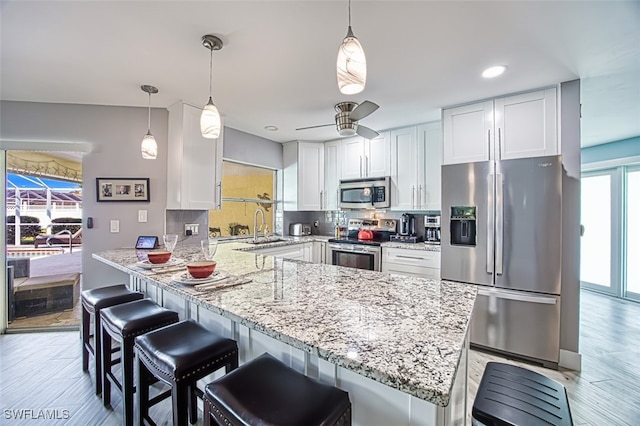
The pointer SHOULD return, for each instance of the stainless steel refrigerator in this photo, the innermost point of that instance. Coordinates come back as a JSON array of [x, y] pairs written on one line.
[[502, 230]]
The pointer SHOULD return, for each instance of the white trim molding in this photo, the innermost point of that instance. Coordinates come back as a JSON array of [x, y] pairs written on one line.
[[570, 360]]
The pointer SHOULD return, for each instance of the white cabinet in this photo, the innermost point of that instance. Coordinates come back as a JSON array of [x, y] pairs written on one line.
[[429, 172], [365, 157], [194, 163], [303, 176], [294, 251], [404, 168], [517, 126], [416, 263], [416, 154], [332, 175], [318, 252]]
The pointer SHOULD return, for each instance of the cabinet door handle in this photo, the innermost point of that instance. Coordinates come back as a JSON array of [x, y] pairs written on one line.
[[419, 196], [366, 166], [499, 144], [409, 257], [321, 196], [361, 166], [219, 197], [489, 144], [413, 196]]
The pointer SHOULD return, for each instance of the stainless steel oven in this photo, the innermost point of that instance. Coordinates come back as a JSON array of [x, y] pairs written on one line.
[[355, 255]]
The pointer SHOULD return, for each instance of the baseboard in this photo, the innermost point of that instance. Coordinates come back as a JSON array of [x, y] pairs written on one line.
[[570, 360]]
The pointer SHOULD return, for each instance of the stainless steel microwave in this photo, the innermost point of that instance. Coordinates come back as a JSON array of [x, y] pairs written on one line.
[[370, 193]]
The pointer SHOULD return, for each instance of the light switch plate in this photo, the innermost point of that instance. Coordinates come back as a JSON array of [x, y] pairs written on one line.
[[142, 215], [114, 226]]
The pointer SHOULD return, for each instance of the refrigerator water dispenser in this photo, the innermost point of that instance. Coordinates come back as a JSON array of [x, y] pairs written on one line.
[[463, 225]]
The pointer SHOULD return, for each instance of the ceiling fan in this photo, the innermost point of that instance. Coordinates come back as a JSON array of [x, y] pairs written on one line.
[[347, 117]]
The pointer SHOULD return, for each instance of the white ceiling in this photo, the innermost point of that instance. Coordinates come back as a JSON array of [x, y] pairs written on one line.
[[277, 66]]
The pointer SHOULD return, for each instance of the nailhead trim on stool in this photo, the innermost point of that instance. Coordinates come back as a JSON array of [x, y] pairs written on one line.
[[92, 302], [180, 355], [265, 391], [123, 323]]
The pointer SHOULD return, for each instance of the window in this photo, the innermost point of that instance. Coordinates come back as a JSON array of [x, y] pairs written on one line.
[[244, 190]]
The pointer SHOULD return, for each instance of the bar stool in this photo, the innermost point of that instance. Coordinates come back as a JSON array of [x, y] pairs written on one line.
[[512, 395], [92, 302], [180, 355], [123, 323], [265, 391]]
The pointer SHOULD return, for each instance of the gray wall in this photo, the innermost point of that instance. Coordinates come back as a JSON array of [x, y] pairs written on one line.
[[250, 149], [115, 134]]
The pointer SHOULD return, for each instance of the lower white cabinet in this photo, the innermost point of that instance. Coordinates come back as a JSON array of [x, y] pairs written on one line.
[[318, 252], [294, 251], [416, 263]]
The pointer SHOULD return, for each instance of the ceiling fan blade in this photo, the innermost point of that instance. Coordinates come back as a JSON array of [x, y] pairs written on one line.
[[313, 127], [362, 110], [366, 132]]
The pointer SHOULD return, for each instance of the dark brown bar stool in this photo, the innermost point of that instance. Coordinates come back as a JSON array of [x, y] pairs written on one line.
[[92, 302], [180, 355], [267, 392], [123, 323]]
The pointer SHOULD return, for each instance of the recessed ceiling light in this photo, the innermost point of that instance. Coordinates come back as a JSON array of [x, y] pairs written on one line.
[[495, 71], [271, 128]]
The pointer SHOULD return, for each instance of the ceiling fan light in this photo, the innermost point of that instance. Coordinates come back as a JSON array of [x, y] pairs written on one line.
[[210, 121], [347, 131], [149, 147], [351, 66]]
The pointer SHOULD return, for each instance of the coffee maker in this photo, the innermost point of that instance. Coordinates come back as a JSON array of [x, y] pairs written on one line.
[[408, 225], [432, 229]]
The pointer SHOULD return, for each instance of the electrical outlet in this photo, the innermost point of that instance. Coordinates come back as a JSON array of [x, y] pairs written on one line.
[[191, 229]]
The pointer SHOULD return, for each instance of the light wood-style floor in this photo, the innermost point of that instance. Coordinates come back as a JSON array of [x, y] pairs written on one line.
[[42, 371]]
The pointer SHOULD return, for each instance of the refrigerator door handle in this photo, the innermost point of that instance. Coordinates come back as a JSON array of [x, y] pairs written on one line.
[[499, 223], [517, 297], [490, 215]]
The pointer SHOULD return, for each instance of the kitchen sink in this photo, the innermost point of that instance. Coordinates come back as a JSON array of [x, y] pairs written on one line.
[[266, 240]]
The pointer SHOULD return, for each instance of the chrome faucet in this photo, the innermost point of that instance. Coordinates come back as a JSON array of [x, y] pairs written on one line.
[[255, 224]]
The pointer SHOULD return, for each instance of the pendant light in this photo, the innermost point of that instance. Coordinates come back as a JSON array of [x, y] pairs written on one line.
[[351, 66], [210, 118], [149, 147]]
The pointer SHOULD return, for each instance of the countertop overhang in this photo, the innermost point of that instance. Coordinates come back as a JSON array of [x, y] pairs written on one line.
[[407, 333]]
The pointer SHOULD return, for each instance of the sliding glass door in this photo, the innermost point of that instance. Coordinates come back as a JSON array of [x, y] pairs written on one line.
[[632, 234], [599, 253]]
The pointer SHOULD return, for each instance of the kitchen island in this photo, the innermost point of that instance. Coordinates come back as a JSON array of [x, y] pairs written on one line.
[[397, 344]]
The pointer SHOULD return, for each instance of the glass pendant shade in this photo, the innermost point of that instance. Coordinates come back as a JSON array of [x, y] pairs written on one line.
[[210, 121], [351, 66], [149, 147]]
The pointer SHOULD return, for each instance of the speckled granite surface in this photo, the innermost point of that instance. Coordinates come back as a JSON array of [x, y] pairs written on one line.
[[407, 333]]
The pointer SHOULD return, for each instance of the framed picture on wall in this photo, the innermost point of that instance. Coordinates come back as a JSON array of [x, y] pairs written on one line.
[[122, 189]]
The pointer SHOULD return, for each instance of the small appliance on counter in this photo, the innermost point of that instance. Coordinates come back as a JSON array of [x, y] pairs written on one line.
[[432, 229], [407, 232], [299, 229]]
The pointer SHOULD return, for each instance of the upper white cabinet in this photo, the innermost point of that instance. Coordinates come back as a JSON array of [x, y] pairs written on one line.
[[517, 126], [404, 168], [332, 174], [303, 176], [416, 154], [365, 157], [194, 163], [429, 151]]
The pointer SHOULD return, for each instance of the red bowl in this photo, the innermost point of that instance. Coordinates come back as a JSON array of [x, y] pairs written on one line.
[[201, 269], [159, 256]]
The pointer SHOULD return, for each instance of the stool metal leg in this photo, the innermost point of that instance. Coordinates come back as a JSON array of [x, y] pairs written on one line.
[[86, 324], [126, 355], [105, 355]]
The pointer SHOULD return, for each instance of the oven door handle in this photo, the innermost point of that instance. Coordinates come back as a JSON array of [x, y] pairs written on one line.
[[345, 248]]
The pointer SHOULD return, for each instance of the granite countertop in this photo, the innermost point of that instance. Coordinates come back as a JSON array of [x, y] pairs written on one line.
[[407, 333]]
